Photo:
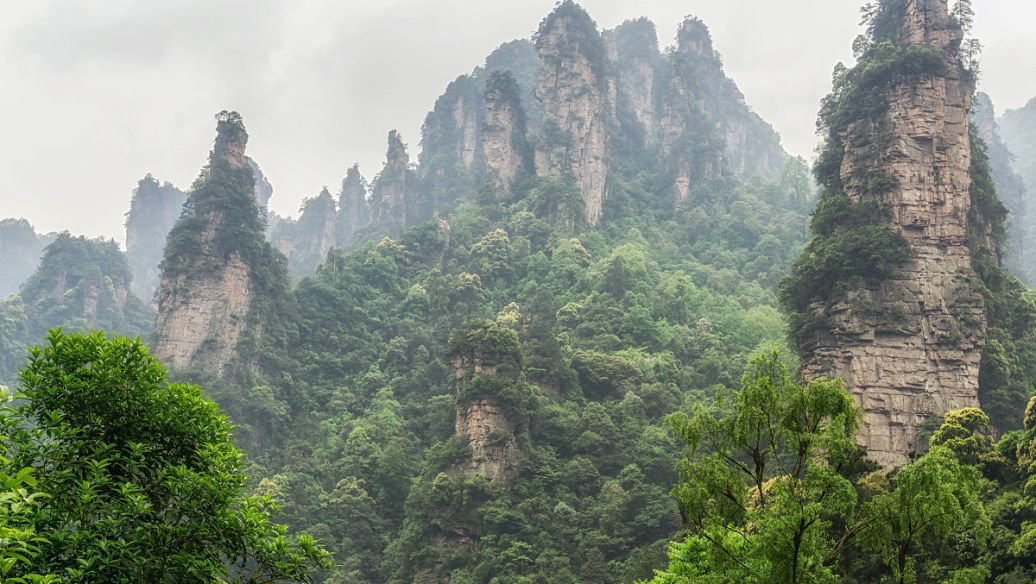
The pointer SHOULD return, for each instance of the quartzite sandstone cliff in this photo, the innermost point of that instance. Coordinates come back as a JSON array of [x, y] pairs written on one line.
[[393, 192], [502, 142], [207, 289], [909, 347], [154, 210], [483, 419], [573, 88]]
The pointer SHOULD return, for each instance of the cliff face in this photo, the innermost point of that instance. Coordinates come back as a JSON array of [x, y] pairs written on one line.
[[573, 88], [484, 360], [640, 68], [1018, 130], [449, 149], [20, 251], [503, 149], [706, 127], [520, 59], [1009, 186], [305, 242], [394, 191], [154, 210], [352, 208], [909, 345], [216, 263]]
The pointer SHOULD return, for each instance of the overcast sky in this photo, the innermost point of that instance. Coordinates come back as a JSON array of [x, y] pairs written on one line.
[[97, 93]]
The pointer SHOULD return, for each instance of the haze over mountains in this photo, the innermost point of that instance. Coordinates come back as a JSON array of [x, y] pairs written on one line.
[[306, 82]]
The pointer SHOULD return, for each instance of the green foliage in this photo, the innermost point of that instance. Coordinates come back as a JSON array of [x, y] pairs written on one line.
[[935, 502], [835, 263], [143, 481], [967, 434], [81, 284], [762, 487], [20, 542]]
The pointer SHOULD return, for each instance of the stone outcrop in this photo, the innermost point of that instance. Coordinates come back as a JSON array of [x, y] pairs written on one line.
[[211, 274], [573, 88], [1010, 187], [503, 148], [639, 67], [263, 189], [707, 130], [909, 347], [305, 242], [154, 210], [201, 320], [481, 366], [394, 191], [492, 437], [352, 208]]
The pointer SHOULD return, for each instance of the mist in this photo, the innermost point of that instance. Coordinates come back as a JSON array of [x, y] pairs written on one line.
[[98, 94]]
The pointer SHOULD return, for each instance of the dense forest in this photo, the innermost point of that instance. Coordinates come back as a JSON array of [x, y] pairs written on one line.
[[562, 347]]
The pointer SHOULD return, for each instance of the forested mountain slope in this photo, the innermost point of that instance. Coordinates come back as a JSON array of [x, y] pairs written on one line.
[[444, 399], [81, 284], [549, 342]]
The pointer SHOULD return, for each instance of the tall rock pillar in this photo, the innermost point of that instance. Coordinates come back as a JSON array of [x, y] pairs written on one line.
[[217, 262], [573, 88], [908, 344]]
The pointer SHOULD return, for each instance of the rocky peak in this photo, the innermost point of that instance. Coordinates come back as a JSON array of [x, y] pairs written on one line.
[[449, 148], [907, 344], [352, 207], [81, 284], [307, 241], [393, 189], [694, 39], [639, 66], [85, 284], [520, 59], [215, 263], [231, 139], [485, 359], [154, 209], [573, 88], [503, 148]]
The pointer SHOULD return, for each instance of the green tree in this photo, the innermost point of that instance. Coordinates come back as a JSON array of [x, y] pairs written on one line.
[[19, 542], [144, 482], [967, 433], [934, 503], [762, 486]]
